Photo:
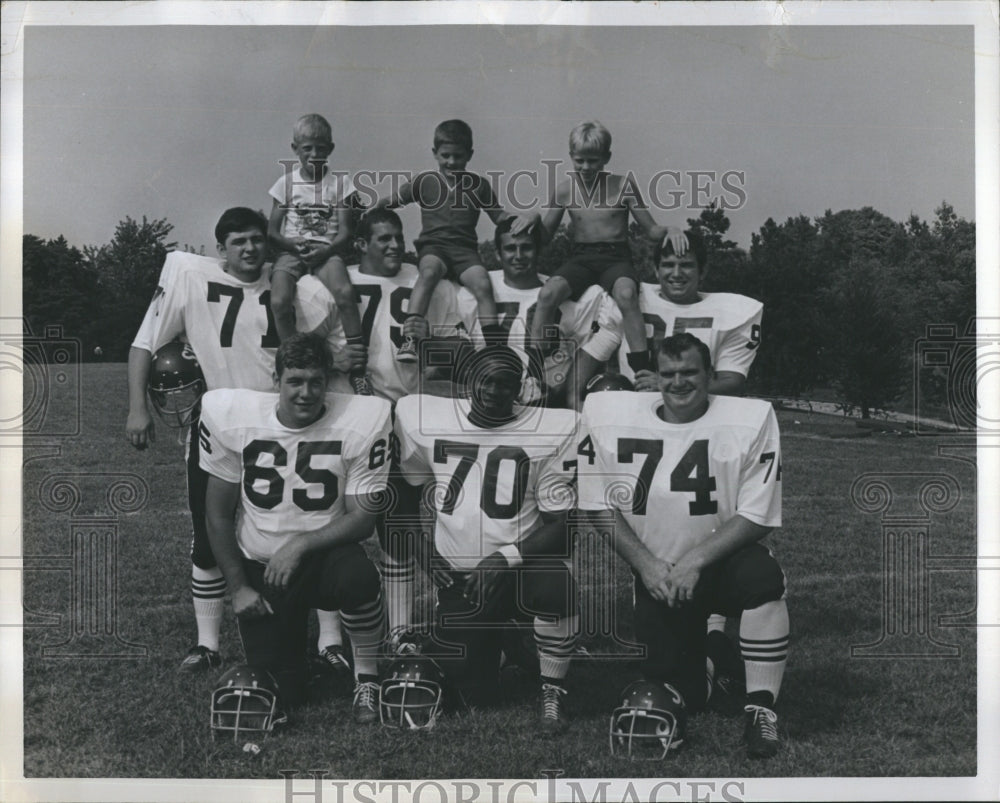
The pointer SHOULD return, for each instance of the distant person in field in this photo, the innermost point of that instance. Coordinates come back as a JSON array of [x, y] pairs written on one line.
[[516, 287], [703, 474], [450, 201], [501, 527], [220, 307], [599, 204], [295, 479], [310, 226]]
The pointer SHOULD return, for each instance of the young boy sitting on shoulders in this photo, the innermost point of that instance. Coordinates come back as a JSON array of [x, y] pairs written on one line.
[[599, 204], [450, 202], [310, 225]]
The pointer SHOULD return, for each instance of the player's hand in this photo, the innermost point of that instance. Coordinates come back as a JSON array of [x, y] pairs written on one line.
[[678, 240], [249, 602], [683, 578], [485, 580], [139, 429], [283, 563], [655, 576], [416, 326], [646, 380], [350, 357], [523, 223]]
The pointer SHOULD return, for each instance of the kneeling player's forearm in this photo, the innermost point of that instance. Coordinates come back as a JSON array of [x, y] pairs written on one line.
[[350, 528]]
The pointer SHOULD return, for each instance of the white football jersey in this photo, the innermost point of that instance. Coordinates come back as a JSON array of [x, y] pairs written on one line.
[[292, 480], [676, 483], [228, 322], [516, 308], [729, 324], [383, 302], [491, 484]]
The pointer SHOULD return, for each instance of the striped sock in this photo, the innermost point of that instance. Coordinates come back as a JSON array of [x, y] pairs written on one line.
[[398, 578], [366, 627], [764, 645], [208, 590], [556, 641]]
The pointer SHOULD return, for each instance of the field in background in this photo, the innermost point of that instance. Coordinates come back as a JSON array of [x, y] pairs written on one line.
[[840, 715]]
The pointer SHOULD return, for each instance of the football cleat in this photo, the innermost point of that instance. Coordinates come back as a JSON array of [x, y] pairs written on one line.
[[553, 714], [761, 731], [176, 384], [334, 662], [409, 696], [365, 705], [200, 658], [602, 382], [245, 702], [649, 722], [404, 640]]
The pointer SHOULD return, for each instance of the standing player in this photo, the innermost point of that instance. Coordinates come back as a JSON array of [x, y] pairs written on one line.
[[694, 483], [294, 481], [383, 285], [515, 288], [222, 308], [504, 483]]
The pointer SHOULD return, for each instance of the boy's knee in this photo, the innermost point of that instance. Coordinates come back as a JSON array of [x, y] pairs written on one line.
[[553, 293], [431, 267], [625, 293], [282, 295]]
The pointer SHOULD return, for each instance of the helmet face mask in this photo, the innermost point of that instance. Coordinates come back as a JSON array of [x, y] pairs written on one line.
[[649, 723], [410, 696], [245, 702], [176, 384]]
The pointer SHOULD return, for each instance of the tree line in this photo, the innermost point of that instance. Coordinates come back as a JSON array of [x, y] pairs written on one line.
[[846, 295]]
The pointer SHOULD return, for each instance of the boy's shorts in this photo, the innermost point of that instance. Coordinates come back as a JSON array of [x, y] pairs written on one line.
[[596, 263], [290, 263], [457, 258]]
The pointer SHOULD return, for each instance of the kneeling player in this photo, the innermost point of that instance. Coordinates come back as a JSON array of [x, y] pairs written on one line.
[[294, 486], [503, 487], [703, 475]]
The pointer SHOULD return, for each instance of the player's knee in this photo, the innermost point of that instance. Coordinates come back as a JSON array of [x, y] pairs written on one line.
[[360, 583], [549, 592], [759, 579]]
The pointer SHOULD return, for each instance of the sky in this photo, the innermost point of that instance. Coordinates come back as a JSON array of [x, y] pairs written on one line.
[[181, 122]]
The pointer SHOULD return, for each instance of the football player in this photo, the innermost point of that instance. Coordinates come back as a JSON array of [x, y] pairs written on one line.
[[295, 480], [222, 309], [503, 485], [693, 482], [383, 285], [515, 288], [729, 324]]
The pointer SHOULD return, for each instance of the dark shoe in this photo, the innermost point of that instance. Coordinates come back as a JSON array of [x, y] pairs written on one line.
[[365, 705], [361, 385], [200, 658], [334, 662], [408, 351], [761, 733], [553, 714]]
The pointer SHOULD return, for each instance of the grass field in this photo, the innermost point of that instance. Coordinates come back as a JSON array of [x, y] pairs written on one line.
[[840, 715]]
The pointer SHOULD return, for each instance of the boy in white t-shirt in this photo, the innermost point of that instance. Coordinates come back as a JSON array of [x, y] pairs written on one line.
[[310, 225]]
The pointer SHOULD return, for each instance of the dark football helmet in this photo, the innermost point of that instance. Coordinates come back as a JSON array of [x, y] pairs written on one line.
[[410, 695], [649, 721], [245, 702], [176, 384], [599, 382]]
